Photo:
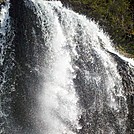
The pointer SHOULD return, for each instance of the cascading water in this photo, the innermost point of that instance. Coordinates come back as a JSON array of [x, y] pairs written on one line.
[[58, 98], [70, 79], [6, 68]]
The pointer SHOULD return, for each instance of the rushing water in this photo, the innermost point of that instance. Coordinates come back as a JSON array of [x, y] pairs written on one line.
[[68, 79], [6, 68]]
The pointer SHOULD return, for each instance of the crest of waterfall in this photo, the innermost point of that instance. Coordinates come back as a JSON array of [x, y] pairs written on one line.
[[82, 86]]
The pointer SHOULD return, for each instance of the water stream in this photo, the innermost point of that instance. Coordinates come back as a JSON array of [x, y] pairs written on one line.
[[60, 73]]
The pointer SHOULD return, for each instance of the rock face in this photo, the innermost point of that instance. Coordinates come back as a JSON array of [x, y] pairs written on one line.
[[127, 75], [27, 56]]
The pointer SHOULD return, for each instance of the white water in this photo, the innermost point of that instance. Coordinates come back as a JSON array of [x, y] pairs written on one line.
[[6, 68], [58, 100], [59, 110], [4, 27], [4, 18], [4, 24]]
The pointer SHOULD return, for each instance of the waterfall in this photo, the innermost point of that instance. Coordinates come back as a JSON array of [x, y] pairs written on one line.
[[67, 77], [6, 67]]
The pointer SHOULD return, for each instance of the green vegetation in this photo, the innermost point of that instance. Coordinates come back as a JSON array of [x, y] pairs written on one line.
[[114, 16], [2, 1]]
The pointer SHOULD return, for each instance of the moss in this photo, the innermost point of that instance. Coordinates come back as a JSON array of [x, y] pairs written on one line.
[[127, 49], [2, 1]]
